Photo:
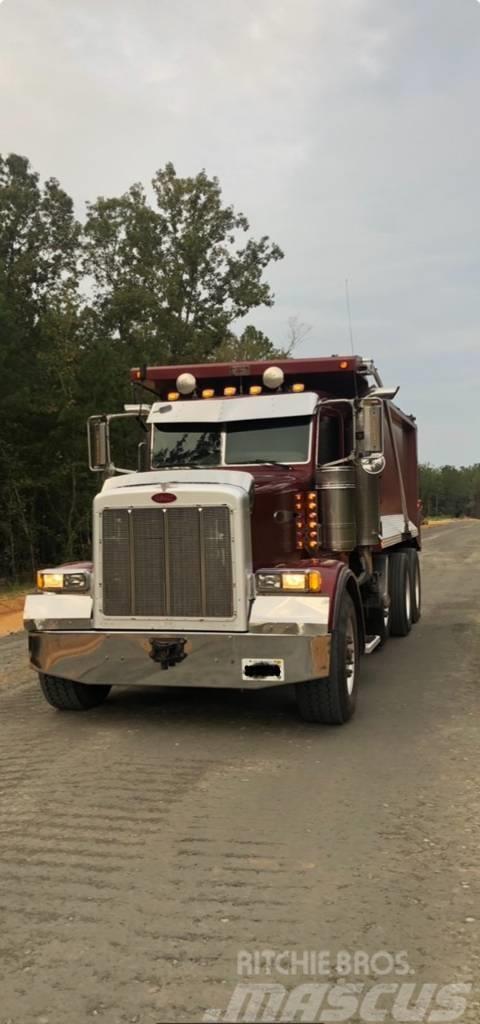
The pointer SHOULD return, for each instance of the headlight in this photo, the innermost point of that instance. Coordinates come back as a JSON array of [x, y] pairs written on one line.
[[304, 582], [74, 581]]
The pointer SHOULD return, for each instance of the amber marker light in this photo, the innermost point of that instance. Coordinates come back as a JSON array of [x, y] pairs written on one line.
[[208, 393], [344, 364], [229, 392], [50, 580], [314, 581], [173, 396]]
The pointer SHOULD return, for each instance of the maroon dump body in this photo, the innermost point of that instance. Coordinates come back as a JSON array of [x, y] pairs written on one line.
[[405, 432]]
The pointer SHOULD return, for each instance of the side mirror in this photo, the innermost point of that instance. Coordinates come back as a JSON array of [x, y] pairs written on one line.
[[369, 427], [383, 393], [98, 444], [142, 457]]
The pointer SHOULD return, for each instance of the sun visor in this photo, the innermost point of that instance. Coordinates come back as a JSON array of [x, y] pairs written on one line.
[[231, 410]]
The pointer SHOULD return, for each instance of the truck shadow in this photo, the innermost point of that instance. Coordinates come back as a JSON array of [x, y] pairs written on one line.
[[176, 706]]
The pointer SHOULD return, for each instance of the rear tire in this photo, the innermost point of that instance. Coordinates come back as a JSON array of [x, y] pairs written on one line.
[[68, 696], [416, 580], [332, 700], [400, 587]]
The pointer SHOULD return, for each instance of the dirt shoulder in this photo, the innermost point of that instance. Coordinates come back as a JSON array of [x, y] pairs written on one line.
[[444, 522], [11, 613]]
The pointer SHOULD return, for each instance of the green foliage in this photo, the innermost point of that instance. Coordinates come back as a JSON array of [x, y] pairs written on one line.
[[170, 279], [79, 305], [450, 490], [251, 344]]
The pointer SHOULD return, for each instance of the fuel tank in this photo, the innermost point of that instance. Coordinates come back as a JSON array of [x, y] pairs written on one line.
[[337, 504]]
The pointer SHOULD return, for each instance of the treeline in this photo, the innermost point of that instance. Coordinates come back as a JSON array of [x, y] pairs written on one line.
[[450, 491], [158, 277]]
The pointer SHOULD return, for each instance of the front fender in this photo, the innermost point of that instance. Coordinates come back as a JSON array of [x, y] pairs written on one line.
[[346, 583]]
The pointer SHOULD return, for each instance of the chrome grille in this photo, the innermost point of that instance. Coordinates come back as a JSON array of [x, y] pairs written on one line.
[[174, 562]]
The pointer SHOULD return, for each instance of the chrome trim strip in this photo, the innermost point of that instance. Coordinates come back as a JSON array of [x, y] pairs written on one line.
[[203, 566], [38, 625], [166, 544], [131, 560]]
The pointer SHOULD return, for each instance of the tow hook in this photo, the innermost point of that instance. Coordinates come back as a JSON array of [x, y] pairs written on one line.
[[167, 653]]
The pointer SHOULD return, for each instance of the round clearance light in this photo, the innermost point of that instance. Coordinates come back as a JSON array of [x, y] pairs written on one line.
[[273, 377], [186, 383]]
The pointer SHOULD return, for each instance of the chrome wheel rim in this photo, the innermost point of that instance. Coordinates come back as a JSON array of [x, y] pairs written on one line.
[[417, 588], [350, 657]]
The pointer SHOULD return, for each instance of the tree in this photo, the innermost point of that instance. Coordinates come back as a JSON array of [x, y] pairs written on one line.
[[450, 490], [170, 279], [165, 283], [38, 312], [252, 344], [297, 332]]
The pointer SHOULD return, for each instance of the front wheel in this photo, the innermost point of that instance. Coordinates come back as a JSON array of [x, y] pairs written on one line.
[[68, 696], [332, 700]]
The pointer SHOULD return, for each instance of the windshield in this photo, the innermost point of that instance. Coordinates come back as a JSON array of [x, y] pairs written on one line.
[[282, 441], [187, 445]]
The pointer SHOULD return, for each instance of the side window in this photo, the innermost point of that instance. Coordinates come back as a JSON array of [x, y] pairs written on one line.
[[330, 447]]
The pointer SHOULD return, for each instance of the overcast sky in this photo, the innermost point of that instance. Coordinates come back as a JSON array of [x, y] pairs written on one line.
[[347, 130]]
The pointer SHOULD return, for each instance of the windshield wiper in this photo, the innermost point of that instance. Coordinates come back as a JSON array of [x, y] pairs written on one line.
[[184, 465], [268, 462]]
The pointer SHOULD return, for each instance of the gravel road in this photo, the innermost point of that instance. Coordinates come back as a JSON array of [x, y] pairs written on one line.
[[146, 843]]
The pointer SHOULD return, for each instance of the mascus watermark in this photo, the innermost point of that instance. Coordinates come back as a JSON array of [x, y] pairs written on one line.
[[368, 998]]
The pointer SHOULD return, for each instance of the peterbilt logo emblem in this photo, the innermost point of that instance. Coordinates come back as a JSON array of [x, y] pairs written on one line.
[[164, 498]]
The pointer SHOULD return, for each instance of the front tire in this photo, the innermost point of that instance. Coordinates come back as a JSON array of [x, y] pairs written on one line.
[[68, 696], [400, 586], [332, 700]]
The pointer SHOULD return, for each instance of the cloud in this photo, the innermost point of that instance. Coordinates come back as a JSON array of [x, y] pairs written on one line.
[[345, 129]]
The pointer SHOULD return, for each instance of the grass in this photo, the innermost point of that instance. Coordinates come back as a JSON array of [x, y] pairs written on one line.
[[442, 520], [9, 591]]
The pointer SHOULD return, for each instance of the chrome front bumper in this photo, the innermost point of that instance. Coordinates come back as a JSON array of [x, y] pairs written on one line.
[[235, 660]]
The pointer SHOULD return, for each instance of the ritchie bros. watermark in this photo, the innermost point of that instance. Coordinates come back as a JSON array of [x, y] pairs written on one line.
[[330, 988]]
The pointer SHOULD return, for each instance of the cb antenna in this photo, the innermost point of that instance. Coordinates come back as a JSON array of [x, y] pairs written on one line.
[[349, 313], [350, 329]]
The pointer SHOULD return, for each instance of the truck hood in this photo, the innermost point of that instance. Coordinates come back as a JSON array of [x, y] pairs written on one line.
[[166, 478]]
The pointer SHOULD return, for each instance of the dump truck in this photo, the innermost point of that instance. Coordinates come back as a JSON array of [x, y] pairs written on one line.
[[267, 535]]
